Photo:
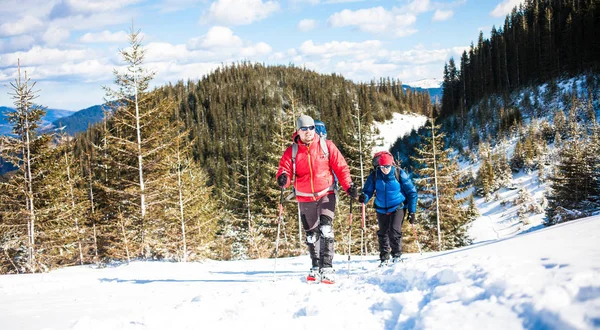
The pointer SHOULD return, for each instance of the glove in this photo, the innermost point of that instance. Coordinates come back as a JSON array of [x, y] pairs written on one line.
[[362, 198], [411, 218], [282, 180], [352, 191]]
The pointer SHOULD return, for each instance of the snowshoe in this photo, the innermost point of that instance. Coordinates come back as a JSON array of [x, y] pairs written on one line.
[[397, 259], [327, 276], [314, 276], [384, 263]]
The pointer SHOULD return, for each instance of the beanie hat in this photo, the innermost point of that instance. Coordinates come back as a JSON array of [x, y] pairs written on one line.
[[304, 121], [386, 159]]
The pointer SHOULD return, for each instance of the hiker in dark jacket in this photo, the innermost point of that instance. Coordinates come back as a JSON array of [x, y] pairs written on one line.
[[312, 176], [392, 198]]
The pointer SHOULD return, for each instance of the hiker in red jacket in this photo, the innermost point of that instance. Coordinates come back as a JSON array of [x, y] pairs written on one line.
[[308, 164]]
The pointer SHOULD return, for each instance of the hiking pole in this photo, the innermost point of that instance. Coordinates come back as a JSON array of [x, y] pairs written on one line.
[[362, 231], [279, 219], [416, 239], [349, 236]]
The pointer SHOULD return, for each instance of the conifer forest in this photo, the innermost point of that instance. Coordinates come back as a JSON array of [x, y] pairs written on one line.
[[186, 171]]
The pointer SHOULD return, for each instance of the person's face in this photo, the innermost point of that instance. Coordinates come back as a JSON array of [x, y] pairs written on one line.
[[385, 168], [307, 133]]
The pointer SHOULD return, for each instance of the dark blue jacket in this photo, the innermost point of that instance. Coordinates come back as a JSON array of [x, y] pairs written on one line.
[[389, 193]]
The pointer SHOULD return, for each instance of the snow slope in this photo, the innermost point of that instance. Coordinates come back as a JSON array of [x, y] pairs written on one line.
[[547, 279]]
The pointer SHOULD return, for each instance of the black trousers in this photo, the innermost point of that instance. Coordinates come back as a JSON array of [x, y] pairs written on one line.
[[317, 219], [390, 233]]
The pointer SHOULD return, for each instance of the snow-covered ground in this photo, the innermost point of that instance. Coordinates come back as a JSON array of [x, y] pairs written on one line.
[[399, 126], [546, 279], [516, 275]]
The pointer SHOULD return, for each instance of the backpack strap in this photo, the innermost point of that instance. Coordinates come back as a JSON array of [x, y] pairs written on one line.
[[324, 146], [294, 154]]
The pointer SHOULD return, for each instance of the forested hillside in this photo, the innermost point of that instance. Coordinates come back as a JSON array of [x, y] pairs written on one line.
[[540, 41], [181, 172], [527, 100]]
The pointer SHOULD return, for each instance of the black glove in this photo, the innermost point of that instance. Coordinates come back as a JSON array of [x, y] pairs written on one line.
[[352, 191], [282, 180], [362, 198], [411, 218]]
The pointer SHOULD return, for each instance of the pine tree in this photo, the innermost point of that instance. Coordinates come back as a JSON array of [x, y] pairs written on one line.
[[439, 183], [574, 180], [19, 194], [140, 133]]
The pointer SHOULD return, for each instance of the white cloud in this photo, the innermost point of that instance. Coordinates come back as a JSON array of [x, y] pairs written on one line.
[[238, 12], [420, 55], [338, 48], [105, 36], [442, 15], [93, 21], [55, 35], [38, 56], [365, 69], [218, 45], [20, 8], [505, 7], [21, 42], [24, 25], [376, 20], [216, 37], [258, 49], [417, 7], [306, 25]]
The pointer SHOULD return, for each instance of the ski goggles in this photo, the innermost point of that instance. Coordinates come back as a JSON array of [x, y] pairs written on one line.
[[306, 128], [387, 167]]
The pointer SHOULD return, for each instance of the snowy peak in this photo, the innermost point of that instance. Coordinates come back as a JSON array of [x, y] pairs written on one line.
[[426, 83]]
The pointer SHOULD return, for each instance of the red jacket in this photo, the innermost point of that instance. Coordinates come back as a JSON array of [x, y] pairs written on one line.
[[313, 169]]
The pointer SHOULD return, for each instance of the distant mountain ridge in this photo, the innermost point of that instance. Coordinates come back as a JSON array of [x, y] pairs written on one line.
[[432, 85], [51, 116], [80, 120], [73, 121]]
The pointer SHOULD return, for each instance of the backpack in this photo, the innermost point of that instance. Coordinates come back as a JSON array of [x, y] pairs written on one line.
[[375, 163], [321, 129]]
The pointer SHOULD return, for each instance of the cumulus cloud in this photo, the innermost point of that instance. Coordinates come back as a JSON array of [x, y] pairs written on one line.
[[17, 43], [306, 25], [338, 48], [105, 37], [505, 7], [219, 44], [376, 20], [23, 25], [45, 56], [442, 15], [216, 37], [55, 35], [238, 12]]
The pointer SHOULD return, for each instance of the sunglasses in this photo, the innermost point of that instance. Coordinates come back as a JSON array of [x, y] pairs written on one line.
[[306, 128], [387, 167]]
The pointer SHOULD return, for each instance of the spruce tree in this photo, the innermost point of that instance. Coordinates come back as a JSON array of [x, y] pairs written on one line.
[[440, 184]]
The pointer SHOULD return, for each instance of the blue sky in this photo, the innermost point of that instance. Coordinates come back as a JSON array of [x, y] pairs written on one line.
[[70, 47]]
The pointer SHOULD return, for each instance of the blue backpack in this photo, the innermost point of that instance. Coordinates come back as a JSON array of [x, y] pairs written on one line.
[[320, 129]]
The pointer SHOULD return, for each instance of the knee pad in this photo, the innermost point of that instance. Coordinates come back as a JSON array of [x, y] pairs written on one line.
[[311, 237], [326, 227]]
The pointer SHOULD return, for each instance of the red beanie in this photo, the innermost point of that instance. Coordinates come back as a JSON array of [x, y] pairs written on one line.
[[386, 159]]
